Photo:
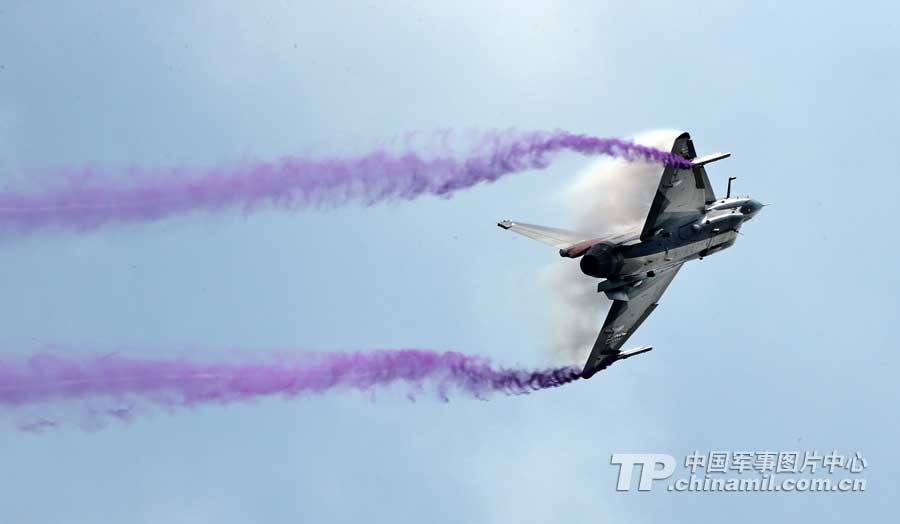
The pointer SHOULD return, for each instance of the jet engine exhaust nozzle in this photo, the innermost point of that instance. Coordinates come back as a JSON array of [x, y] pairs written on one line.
[[602, 261]]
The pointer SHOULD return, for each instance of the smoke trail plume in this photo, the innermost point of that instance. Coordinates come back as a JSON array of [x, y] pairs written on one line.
[[45, 378], [608, 197], [87, 198]]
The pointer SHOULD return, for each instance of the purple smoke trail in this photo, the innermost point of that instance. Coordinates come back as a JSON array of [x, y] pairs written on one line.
[[87, 198], [173, 383]]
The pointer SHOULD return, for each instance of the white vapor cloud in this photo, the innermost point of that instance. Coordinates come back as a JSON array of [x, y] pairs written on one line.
[[607, 197]]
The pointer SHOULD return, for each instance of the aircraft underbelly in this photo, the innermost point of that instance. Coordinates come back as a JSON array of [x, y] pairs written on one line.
[[666, 258]]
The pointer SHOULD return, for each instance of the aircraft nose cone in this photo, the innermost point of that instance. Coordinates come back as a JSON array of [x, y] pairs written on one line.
[[751, 208]]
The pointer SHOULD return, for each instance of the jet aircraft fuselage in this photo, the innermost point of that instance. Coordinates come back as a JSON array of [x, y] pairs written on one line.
[[685, 222], [714, 229]]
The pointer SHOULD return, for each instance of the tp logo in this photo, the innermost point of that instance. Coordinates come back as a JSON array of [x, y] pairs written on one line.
[[649, 471]]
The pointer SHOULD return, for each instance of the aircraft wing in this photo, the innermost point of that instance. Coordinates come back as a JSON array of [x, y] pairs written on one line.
[[624, 317], [682, 193]]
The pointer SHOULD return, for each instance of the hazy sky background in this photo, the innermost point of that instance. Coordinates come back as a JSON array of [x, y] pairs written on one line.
[[783, 342]]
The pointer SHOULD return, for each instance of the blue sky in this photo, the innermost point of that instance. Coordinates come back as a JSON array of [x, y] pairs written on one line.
[[783, 342]]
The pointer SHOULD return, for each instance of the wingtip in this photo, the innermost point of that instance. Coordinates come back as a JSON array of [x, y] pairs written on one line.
[[608, 359], [708, 159], [590, 371], [504, 224]]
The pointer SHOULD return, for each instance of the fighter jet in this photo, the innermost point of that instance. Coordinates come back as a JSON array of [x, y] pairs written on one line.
[[686, 222]]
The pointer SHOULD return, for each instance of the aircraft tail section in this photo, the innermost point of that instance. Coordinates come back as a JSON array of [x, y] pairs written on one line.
[[571, 244]]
